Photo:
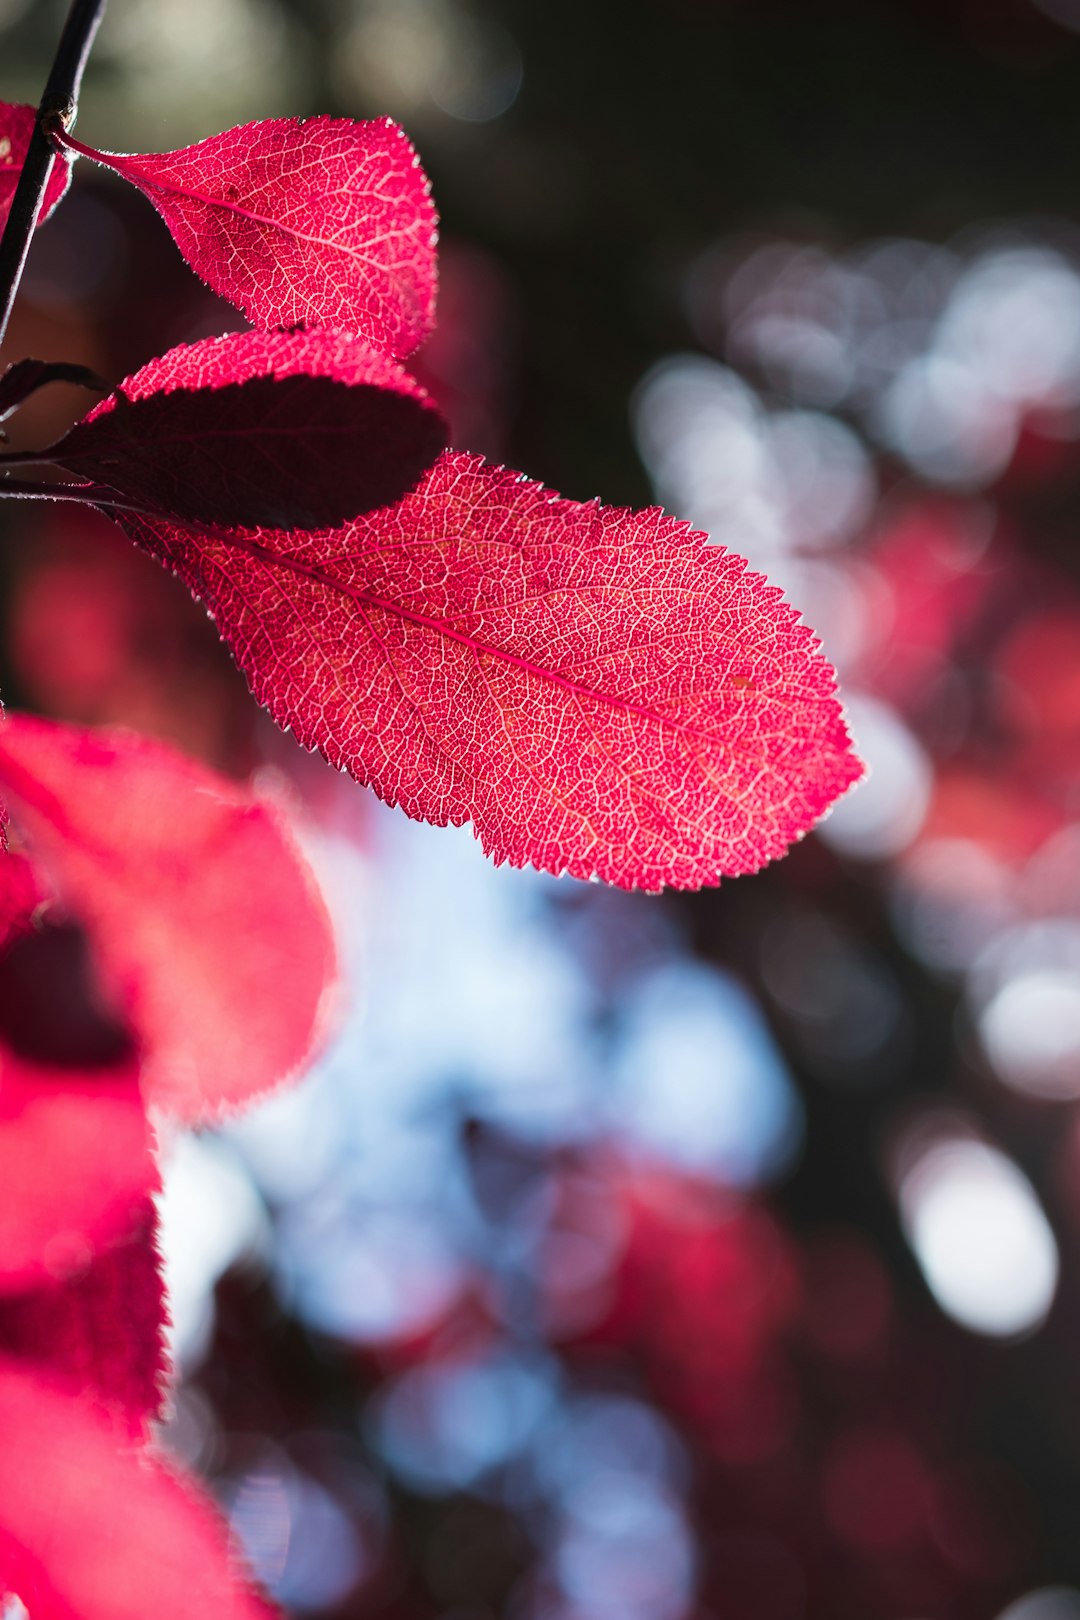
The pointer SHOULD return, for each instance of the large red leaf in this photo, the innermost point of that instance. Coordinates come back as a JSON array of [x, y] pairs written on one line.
[[100, 1331], [597, 691], [16, 127], [93, 1530], [211, 940], [324, 220], [291, 429]]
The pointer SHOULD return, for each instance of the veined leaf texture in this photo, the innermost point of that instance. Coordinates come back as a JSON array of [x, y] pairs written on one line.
[[599, 692], [325, 220]]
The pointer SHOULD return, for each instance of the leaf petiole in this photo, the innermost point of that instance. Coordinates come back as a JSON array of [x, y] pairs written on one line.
[[99, 495]]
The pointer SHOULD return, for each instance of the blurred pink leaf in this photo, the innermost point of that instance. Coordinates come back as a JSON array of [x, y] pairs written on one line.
[[93, 1528], [100, 1326], [75, 1163], [209, 936]]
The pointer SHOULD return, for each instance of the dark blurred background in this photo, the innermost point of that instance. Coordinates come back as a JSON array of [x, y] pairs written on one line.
[[633, 1259]]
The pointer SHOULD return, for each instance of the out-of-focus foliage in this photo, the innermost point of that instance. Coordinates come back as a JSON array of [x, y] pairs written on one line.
[[636, 1258]]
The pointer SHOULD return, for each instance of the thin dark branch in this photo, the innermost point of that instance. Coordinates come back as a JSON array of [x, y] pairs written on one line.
[[62, 90], [59, 102]]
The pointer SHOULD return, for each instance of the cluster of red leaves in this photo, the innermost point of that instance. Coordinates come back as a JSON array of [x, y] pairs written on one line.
[[827, 1481], [599, 692], [963, 599], [111, 1010], [786, 1363]]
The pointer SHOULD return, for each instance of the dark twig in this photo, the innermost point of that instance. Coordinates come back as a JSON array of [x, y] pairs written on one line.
[[58, 103]]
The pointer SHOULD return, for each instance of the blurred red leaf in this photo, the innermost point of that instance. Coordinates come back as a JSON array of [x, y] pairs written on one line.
[[20, 893], [223, 979], [597, 691], [1004, 814], [74, 1163], [101, 1328], [99, 635], [1038, 691], [75, 1148], [16, 127], [293, 429], [937, 569], [91, 1530], [876, 1489], [325, 220]]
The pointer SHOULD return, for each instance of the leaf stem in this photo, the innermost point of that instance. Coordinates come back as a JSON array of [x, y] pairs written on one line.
[[58, 103], [22, 458], [99, 495]]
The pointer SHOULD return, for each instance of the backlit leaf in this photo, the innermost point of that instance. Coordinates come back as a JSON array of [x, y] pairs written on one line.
[[20, 892], [99, 1326], [16, 127], [96, 1529], [210, 939], [597, 691], [295, 429], [74, 1162], [75, 1147], [324, 220]]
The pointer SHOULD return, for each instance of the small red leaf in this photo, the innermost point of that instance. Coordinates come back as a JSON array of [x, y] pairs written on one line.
[[291, 429], [206, 927], [101, 1330], [327, 220], [597, 691], [16, 127], [94, 1529]]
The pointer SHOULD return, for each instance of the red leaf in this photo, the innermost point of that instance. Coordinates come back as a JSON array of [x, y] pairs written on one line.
[[598, 691], [74, 1164], [326, 220], [20, 893], [102, 1329], [206, 927], [91, 1530], [16, 128], [75, 1151], [293, 429]]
